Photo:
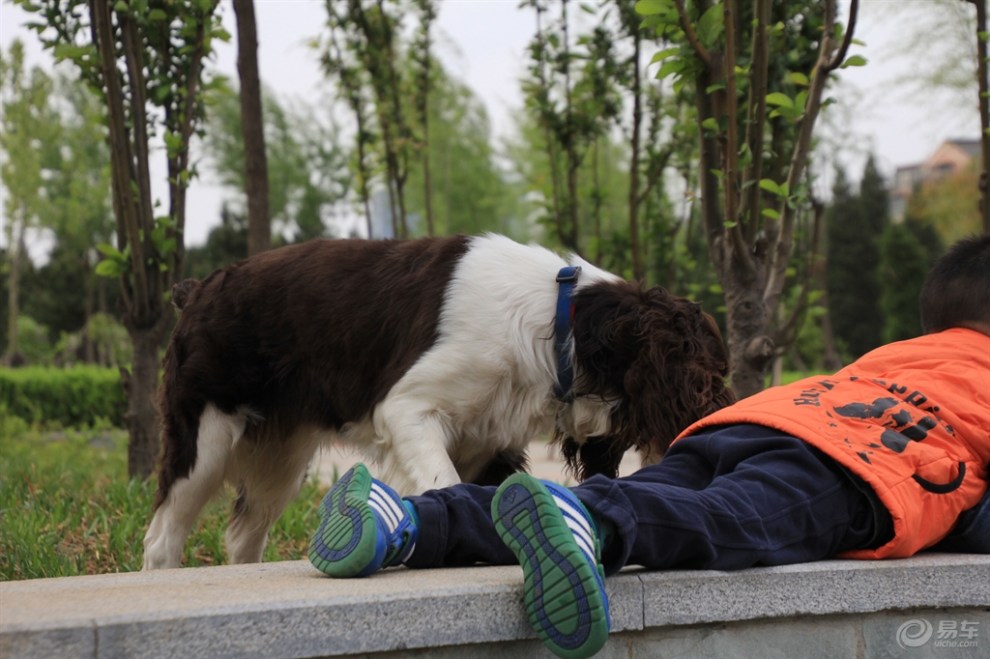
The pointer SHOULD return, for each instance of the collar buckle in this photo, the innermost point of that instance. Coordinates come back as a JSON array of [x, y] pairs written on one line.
[[568, 274]]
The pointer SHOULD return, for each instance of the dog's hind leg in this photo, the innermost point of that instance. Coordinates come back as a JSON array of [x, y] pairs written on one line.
[[268, 474], [182, 503]]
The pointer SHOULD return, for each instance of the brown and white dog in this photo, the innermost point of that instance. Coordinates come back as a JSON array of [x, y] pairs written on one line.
[[438, 357]]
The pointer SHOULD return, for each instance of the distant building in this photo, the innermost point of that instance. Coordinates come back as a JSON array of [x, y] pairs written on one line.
[[951, 157]]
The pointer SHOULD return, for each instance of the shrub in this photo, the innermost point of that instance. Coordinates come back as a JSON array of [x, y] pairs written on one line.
[[76, 396], [32, 341], [106, 338]]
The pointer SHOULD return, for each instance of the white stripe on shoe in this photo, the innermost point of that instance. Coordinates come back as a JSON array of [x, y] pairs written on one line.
[[385, 505], [578, 524]]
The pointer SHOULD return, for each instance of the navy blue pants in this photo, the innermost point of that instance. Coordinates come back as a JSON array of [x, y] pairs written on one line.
[[730, 498]]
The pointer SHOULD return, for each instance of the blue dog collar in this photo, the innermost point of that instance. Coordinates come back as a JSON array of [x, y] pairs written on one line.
[[566, 279]]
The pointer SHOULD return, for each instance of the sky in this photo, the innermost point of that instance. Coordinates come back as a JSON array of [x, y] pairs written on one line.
[[483, 43]]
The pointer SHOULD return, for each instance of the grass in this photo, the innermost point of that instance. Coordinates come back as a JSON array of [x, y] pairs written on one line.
[[68, 508]]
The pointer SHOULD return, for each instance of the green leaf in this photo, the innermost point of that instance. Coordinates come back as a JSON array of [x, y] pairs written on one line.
[[111, 252], [730, 225], [120, 6], [68, 51], [650, 7], [771, 186], [771, 213], [710, 124], [855, 60], [664, 54], [780, 99], [715, 87], [710, 25], [109, 268], [669, 67], [654, 22], [157, 15], [797, 78]]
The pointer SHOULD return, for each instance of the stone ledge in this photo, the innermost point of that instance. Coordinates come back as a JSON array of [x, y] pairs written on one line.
[[290, 610]]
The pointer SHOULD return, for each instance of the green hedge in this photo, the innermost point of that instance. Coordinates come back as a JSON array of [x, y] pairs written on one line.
[[76, 396]]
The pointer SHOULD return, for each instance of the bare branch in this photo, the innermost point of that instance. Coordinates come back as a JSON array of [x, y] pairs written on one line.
[[840, 54], [787, 332], [757, 110], [730, 166], [121, 157], [691, 35], [799, 157]]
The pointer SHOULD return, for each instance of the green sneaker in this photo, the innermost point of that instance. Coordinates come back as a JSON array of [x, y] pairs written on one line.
[[555, 540], [366, 526]]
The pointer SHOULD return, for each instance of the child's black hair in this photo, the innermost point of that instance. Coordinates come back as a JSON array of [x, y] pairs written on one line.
[[957, 290]]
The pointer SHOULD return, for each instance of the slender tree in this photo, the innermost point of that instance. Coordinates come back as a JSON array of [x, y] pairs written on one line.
[[468, 191], [907, 252], [339, 63], [423, 58], [145, 58], [307, 170], [78, 208], [752, 97], [28, 132], [572, 92], [856, 223], [983, 88], [367, 35], [253, 130]]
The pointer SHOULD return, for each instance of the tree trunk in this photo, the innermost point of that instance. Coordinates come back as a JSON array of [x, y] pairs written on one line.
[[597, 199], [425, 119], [984, 96], [252, 127], [831, 361], [634, 200], [427, 184], [89, 349], [16, 245], [750, 348], [140, 385]]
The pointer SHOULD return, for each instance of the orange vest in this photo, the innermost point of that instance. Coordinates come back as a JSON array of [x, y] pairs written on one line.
[[912, 419]]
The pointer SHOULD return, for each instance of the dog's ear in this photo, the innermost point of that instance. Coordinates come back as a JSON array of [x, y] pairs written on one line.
[[679, 373], [182, 290], [605, 328]]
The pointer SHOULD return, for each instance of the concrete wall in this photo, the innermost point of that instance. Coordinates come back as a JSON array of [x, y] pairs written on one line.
[[827, 609]]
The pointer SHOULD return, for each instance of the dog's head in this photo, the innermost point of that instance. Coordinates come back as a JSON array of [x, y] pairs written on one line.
[[648, 364]]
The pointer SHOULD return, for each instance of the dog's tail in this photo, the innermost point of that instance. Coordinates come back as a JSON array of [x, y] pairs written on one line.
[[182, 290]]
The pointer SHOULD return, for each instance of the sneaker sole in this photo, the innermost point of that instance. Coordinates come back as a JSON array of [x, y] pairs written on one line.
[[560, 592], [344, 545]]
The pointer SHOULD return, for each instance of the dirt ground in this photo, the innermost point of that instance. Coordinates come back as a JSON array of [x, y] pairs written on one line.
[[544, 462]]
